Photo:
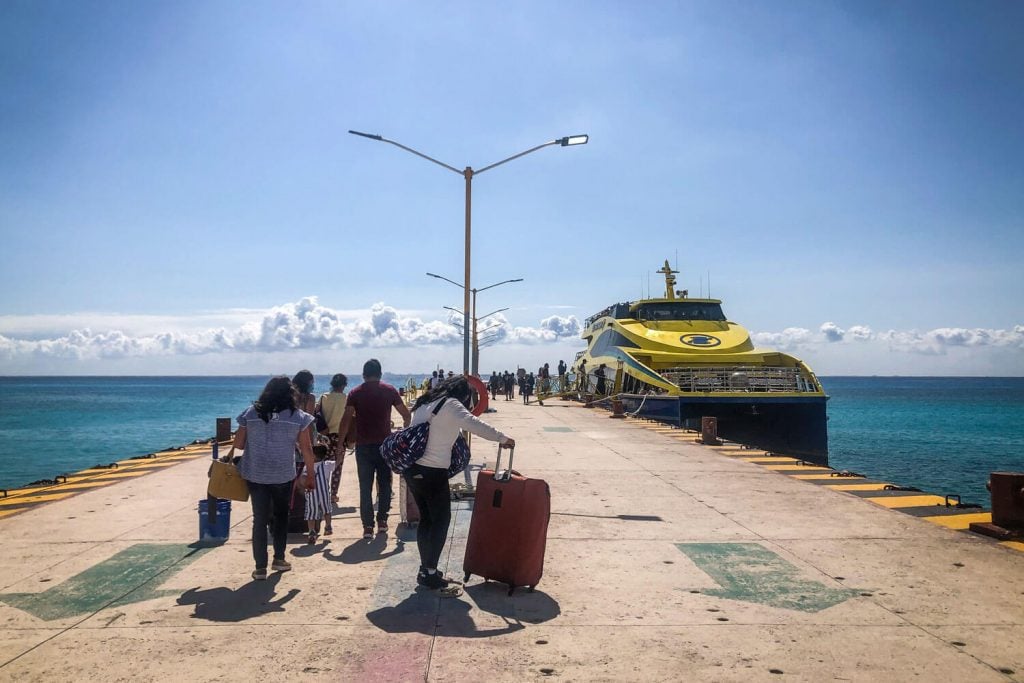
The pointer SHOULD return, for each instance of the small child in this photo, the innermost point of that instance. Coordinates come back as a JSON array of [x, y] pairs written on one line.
[[318, 501]]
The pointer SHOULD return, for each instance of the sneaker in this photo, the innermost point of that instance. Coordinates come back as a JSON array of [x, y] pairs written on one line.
[[367, 532], [382, 527], [328, 530], [432, 581], [281, 566], [259, 575], [311, 539]]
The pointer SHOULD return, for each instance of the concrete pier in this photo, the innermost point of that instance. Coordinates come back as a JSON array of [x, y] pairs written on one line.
[[666, 560]]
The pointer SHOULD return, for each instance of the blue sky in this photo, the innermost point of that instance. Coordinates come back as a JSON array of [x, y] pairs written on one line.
[[178, 192]]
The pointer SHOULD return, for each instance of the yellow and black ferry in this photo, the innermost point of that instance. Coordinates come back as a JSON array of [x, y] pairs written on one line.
[[678, 359]]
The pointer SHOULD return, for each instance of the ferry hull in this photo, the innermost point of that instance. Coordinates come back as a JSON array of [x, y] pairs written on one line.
[[790, 425]]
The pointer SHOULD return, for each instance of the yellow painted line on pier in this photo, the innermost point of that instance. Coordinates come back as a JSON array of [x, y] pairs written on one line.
[[908, 501], [8, 513], [77, 486], [805, 468], [1013, 545], [41, 498], [120, 475], [960, 522], [856, 487], [771, 459], [823, 477]]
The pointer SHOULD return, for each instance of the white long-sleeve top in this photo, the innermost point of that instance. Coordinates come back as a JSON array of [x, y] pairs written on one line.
[[444, 429]]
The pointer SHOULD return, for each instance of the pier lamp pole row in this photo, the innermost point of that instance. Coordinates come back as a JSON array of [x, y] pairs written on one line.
[[468, 173]]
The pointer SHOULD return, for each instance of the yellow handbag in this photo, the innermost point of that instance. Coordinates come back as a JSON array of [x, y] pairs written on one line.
[[226, 481]]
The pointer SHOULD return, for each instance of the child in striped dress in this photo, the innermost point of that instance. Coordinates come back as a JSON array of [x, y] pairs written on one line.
[[318, 501]]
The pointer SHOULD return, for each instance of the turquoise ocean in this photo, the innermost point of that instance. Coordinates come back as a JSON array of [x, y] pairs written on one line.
[[940, 434]]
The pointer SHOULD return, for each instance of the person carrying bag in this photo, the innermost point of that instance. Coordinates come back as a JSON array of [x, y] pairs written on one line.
[[441, 421]]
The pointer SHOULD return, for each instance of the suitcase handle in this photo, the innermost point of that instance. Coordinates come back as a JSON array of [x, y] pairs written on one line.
[[505, 475]]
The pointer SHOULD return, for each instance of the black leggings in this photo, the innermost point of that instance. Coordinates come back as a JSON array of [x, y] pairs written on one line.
[[429, 488]]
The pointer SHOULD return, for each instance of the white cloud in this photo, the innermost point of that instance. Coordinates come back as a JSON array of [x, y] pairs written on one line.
[[832, 332], [860, 333], [938, 341], [787, 340], [932, 342], [303, 325]]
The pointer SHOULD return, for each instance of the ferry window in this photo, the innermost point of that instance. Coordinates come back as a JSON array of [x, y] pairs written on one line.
[[680, 310]]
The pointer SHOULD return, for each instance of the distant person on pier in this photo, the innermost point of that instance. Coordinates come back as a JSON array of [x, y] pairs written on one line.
[[494, 384], [428, 477], [545, 379], [600, 375], [369, 407], [332, 407], [268, 432], [561, 376], [434, 381], [509, 384], [527, 388]]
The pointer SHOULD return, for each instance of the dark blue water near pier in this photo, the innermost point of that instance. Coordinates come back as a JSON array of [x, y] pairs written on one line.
[[941, 434]]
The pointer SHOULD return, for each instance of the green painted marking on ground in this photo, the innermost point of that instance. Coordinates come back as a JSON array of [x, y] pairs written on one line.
[[751, 573], [131, 575], [557, 429]]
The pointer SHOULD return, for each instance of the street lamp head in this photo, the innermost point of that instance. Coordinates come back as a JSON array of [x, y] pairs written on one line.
[[566, 141], [372, 136]]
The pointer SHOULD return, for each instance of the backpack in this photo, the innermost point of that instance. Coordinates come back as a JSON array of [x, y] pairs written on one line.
[[318, 416], [403, 448]]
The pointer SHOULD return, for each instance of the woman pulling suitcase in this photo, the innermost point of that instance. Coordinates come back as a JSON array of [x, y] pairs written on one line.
[[427, 479]]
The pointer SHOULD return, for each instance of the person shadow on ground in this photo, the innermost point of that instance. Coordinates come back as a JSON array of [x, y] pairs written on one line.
[[365, 551], [424, 611], [222, 604]]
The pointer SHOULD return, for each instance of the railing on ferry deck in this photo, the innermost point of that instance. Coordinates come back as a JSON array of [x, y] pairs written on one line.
[[740, 379]]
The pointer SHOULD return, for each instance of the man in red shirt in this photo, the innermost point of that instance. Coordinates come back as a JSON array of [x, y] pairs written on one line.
[[370, 406]]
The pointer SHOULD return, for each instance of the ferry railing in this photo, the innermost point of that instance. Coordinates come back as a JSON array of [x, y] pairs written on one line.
[[739, 379]]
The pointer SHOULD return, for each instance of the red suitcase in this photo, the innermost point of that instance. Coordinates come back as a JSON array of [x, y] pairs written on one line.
[[509, 528], [409, 512]]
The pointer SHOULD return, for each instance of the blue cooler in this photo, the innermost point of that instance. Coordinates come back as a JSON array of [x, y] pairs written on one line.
[[215, 528]]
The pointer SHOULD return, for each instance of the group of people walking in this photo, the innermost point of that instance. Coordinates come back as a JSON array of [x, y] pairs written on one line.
[[287, 425]]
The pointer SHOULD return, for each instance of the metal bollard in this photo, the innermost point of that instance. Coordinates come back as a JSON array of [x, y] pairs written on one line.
[[618, 409], [1007, 490], [709, 431], [223, 429]]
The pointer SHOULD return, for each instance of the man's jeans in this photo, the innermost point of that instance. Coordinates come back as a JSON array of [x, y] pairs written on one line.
[[369, 462], [269, 501]]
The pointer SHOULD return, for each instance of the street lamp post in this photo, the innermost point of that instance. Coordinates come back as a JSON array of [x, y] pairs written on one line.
[[475, 367], [468, 173], [476, 347], [476, 337]]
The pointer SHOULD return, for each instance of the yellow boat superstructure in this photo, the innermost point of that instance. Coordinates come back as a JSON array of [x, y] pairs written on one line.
[[676, 346]]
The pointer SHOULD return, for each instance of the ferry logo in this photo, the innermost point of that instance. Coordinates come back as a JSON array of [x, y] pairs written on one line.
[[704, 340]]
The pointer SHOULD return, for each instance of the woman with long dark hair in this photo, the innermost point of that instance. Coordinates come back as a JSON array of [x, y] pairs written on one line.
[[304, 399], [269, 431], [428, 477]]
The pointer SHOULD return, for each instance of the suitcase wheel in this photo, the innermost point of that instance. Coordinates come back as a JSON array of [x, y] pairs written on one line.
[[531, 588], [466, 578]]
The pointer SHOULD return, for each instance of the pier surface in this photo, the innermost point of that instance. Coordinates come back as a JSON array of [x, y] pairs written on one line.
[[666, 560]]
